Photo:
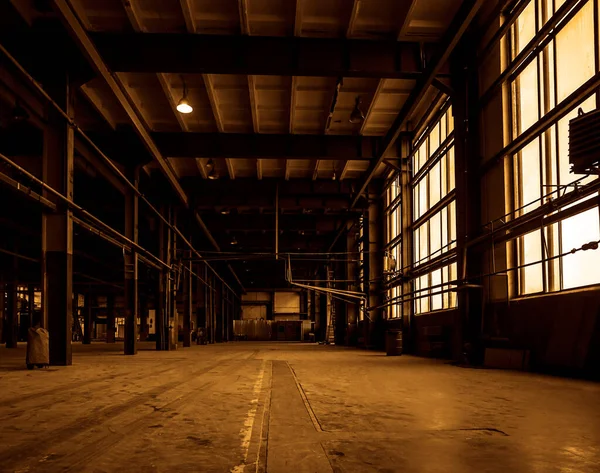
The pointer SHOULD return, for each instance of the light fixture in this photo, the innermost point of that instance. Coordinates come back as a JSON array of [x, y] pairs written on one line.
[[210, 164], [213, 174], [357, 116], [184, 105], [334, 176], [233, 241]]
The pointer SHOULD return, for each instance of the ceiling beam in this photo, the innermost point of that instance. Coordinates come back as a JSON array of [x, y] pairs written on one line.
[[298, 17], [188, 15], [253, 104], [287, 169], [353, 16], [84, 42], [315, 175], [372, 105], [230, 168], [266, 146], [216, 109], [255, 55], [345, 170], [202, 168], [259, 169], [293, 104], [244, 20], [95, 101], [133, 15], [466, 13]]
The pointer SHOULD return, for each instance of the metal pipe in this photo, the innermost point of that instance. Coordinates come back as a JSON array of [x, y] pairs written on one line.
[[17, 255], [108, 161], [76, 208]]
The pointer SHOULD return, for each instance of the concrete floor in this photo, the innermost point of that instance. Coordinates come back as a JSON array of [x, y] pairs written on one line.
[[281, 407]]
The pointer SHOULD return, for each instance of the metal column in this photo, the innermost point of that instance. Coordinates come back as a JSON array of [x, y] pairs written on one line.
[[57, 228], [131, 271], [187, 302], [87, 325]]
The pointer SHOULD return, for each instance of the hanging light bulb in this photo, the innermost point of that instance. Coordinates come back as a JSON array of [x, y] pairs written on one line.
[[357, 116], [184, 105], [213, 175], [210, 164], [234, 241]]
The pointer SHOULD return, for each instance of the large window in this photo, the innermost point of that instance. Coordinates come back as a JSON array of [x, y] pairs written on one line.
[[434, 215], [393, 247], [541, 80]]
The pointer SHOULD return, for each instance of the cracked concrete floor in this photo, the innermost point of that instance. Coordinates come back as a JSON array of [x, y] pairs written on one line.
[[289, 407]]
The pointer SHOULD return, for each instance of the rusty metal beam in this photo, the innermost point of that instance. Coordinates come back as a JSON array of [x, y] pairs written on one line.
[[254, 55]]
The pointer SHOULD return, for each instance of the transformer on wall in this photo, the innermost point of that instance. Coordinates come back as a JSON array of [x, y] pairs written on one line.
[[584, 143]]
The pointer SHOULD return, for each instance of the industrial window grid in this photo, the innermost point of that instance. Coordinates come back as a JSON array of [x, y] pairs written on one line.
[[393, 244], [433, 226], [554, 50]]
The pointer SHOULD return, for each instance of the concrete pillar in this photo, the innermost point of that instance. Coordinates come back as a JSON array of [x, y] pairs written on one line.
[[88, 319], [187, 302], [57, 228], [110, 319], [131, 271], [11, 324]]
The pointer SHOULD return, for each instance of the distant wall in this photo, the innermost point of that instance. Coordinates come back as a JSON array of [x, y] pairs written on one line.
[[286, 303]]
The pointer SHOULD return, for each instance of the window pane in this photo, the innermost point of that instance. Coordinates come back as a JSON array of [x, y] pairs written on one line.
[[424, 299], [423, 243], [434, 140], [532, 252], [452, 233], [525, 94], [575, 60], [530, 176], [435, 228], [436, 300], [445, 279], [581, 268], [434, 185], [525, 28], [453, 277], [451, 172], [423, 205]]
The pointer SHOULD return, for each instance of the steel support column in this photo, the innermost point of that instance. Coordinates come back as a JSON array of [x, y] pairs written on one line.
[[173, 316], [161, 305], [11, 324], [2, 309], [110, 319], [88, 322], [468, 198], [57, 228], [131, 271], [187, 302]]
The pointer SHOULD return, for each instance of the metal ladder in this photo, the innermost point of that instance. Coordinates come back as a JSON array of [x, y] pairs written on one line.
[[330, 335]]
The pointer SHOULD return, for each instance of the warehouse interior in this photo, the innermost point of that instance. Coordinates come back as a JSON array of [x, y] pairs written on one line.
[[300, 235]]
